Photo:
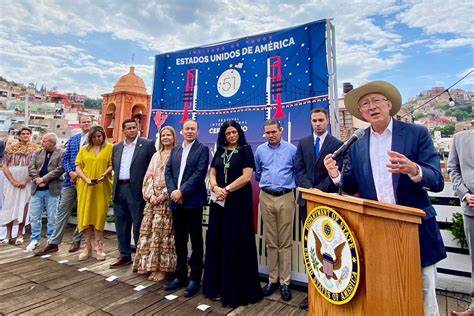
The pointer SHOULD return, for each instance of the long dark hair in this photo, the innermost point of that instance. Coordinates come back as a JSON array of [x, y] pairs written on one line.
[[221, 142], [92, 131]]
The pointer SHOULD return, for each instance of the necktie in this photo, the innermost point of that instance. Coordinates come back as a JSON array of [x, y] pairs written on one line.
[[316, 148]]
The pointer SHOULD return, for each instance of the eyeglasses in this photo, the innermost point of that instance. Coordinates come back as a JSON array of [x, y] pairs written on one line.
[[364, 105]]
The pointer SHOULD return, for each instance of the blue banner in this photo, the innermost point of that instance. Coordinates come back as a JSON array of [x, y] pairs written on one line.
[[280, 75]]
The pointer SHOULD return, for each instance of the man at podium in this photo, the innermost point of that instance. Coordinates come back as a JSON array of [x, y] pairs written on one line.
[[395, 162]]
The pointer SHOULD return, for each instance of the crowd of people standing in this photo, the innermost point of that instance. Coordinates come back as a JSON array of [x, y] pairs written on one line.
[[159, 194]]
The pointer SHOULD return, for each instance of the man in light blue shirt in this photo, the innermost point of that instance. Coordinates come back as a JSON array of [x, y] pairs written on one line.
[[275, 171]]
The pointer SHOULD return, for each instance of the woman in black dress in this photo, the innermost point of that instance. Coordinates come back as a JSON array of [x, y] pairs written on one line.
[[231, 270]]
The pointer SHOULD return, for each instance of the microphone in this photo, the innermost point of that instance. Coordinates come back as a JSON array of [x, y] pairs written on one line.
[[358, 134]]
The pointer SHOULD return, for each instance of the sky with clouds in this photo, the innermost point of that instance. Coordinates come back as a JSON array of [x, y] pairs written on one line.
[[85, 46]]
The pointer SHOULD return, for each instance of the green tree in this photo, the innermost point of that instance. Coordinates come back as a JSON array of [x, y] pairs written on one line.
[[446, 130], [93, 103]]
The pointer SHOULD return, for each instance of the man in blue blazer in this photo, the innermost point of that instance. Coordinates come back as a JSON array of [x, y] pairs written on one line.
[[309, 162], [185, 180], [395, 162], [130, 161]]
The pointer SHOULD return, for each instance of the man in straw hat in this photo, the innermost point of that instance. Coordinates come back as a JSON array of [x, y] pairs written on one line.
[[395, 162]]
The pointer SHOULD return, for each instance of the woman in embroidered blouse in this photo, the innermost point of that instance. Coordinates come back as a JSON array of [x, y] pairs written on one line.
[[17, 188], [156, 253]]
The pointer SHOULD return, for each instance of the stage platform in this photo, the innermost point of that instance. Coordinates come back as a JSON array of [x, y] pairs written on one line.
[[33, 285]]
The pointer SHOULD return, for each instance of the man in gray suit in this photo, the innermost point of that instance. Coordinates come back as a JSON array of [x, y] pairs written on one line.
[[45, 170], [461, 171], [130, 161]]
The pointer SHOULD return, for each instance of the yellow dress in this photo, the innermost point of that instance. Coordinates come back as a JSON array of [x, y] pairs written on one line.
[[93, 200]]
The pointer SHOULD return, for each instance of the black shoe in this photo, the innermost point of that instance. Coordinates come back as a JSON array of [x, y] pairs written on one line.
[[304, 304], [174, 285], [285, 292], [192, 288], [269, 288]]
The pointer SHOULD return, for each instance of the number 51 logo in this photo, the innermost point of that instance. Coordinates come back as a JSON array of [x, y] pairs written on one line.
[[228, 83]]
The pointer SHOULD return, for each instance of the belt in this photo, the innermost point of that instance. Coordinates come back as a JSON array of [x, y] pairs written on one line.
[[277, 193], [126, 181]]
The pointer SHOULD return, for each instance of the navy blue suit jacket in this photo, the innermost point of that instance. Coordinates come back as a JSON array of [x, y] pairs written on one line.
[[193, 184], [144, 151], [414, 142]]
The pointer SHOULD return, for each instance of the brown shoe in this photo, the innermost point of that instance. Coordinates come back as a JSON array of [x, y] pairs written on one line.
[[122, 261], [467, 312], [48, 249], [75, 247]]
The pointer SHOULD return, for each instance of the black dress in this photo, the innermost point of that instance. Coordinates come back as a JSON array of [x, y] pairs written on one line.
[[231, 269]]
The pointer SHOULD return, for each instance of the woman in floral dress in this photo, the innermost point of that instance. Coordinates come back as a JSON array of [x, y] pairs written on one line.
[[156, 253], [17, 188]]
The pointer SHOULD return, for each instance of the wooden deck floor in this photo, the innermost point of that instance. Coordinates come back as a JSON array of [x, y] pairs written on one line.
[[33, 285]]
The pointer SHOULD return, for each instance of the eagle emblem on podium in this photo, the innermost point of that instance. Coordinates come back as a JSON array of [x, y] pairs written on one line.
[[331, 255], [330, 263]]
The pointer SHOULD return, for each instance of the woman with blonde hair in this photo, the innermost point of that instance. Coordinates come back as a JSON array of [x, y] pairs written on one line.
[[156, 253], [94, 191]]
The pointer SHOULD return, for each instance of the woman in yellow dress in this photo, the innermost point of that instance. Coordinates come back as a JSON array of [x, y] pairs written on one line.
[[94, 190]]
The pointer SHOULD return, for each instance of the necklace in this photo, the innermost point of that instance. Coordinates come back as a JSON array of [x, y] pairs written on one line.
[[226, 159]]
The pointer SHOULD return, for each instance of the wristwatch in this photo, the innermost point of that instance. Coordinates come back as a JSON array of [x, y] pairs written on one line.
[[227, 188]]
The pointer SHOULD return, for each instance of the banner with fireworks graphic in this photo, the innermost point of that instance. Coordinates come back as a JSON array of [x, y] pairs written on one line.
[[281, 75]]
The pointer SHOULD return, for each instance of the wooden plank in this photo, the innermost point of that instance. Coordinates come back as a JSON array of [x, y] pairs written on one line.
[[133, 304], [158, 308], [29, 307], [292, 311], [109, 295], [442, 304], [8, 280], [62, 306], [13, 256], [16, 288], [33, 294], [99, 313], [456, 302], [72, 278], [30, 265], [52, 272], [264, 307], [191, 305], [84, 286]]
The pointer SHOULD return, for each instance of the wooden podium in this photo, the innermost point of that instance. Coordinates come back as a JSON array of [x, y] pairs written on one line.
[[387, 235]]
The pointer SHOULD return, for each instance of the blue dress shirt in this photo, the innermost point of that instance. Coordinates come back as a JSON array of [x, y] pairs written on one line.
[[275, 166]]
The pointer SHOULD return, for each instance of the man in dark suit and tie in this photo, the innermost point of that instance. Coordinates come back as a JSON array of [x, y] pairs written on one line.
[[185, 175], [130, 161], [309, 162]]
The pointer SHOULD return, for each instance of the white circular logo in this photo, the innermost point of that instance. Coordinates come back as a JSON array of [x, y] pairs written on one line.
[[228, 83], [331, 255]]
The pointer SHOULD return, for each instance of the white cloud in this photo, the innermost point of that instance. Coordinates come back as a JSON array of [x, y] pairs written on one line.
[[454, 18], [440, 16], [469, 79], [440, 45], [364, 47], [67, 67]]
